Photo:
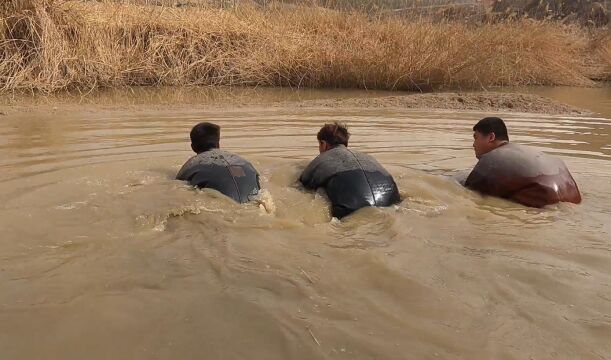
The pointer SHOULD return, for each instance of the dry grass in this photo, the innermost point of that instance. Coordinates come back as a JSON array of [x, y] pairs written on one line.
[[50, 45], [599, 51]]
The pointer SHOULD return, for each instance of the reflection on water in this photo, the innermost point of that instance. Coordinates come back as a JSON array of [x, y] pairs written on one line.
[[104, 255]]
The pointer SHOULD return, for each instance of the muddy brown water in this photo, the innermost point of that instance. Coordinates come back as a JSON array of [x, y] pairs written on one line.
[[104, 256]]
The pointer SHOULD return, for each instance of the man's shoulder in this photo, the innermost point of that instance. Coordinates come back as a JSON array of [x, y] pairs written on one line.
[[514, 148], [527, 154], [368, 162], [361, 155], [221, 157], [192, 160], [517, 159]]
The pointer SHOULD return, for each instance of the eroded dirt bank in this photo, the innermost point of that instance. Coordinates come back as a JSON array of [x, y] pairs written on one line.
[[505, 102], [168, 100]]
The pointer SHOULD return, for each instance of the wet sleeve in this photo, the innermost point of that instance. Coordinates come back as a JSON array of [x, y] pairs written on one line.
[[476, 180], [183, 173], [486, 178], [308, 177]]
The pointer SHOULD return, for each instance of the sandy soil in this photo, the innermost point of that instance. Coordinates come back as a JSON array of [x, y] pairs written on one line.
[[504, 102], [489, 101]]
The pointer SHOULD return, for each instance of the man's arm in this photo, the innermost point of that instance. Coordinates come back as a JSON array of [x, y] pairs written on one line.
[[309, 178], [481, 179], [184, 173], [475, 180]]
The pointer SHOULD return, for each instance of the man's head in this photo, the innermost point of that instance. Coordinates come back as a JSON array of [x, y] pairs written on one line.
[[332, 135], [488, 134], [205, 136]]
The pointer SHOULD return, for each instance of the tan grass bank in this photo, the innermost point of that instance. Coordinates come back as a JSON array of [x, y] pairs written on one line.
[[51, 45]]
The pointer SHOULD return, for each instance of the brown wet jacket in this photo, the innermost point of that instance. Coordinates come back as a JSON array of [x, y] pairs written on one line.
[[524, 175]]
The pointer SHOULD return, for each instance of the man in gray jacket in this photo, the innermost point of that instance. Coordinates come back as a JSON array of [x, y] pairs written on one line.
[[217, 169]]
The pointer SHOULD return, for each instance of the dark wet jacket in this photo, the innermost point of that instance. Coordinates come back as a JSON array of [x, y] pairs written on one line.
[[524, 175], [351, 179], [223, 171]]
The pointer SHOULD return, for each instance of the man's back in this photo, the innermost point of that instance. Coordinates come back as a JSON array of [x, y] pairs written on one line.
[[524, 175], [223, 171], [351, 179]]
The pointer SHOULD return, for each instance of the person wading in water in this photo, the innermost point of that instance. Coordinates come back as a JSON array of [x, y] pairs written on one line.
[[517, 172], [218, 169], [352, 180]]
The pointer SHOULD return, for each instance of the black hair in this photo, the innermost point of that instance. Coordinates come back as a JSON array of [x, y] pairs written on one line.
[[334, 134], [492, 125], [205, 136]]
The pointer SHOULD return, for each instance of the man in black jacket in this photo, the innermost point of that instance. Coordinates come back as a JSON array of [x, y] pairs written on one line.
[[351, 179]]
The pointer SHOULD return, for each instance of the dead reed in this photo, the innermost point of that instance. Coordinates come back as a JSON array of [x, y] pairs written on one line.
[[51, 45]]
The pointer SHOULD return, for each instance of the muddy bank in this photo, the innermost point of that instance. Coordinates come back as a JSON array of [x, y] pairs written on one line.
[[169, 99], [457, 101]]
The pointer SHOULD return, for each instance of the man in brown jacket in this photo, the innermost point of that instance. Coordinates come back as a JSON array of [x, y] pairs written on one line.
[[517, 172]]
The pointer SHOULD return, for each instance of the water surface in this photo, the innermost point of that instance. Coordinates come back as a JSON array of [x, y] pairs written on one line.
[[104, 256]]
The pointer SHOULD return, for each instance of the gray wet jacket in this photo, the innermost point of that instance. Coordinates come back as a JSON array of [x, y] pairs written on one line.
[[222, 171], [351, 179]]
